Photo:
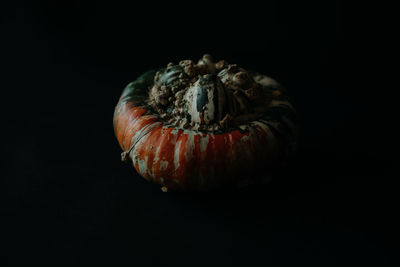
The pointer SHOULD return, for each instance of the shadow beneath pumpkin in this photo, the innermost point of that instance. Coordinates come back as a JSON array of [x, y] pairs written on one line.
[[301, 207], [329, 189]]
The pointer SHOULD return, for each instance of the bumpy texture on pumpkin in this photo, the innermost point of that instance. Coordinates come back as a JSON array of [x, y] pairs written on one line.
[[207, 96]]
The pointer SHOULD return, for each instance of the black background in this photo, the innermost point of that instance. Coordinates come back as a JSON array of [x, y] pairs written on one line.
[[69, 201]]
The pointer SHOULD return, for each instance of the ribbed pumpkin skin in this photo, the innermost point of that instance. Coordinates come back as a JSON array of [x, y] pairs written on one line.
[[186, 160]]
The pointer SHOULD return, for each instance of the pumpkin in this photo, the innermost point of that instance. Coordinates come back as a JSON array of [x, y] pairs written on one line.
[[204, 126]]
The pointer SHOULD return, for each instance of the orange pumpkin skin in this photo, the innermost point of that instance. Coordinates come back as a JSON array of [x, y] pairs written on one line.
[[188, 160]]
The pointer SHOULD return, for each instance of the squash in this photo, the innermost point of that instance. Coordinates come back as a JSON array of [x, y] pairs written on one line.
[[198, 127]]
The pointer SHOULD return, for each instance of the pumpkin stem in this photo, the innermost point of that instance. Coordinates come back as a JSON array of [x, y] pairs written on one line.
[[125, 156], [164, 189]]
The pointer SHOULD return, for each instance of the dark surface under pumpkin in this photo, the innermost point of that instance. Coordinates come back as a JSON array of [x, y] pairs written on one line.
[[67, 200], [198, 160]]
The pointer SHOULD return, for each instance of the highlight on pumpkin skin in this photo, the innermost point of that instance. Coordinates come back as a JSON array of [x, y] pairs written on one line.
[[207, 96]]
